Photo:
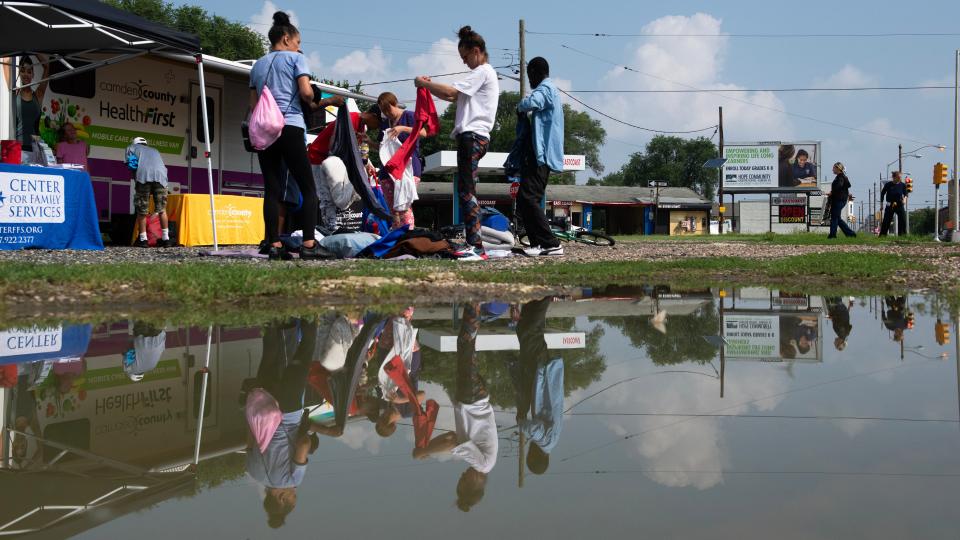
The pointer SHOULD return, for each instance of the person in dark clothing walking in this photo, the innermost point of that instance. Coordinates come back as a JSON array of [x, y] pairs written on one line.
[[839, 313], [546, 143], [838, 197], [895, 193], [894, 315]]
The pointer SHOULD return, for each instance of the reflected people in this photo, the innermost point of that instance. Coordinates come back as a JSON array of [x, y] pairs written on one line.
[[538, 381], [839, 313], [399, 339], [475, 439], [147, 346], [288, 350], [894, 316]]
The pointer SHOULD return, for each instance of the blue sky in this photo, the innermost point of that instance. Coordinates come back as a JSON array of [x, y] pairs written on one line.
[[335, 38]]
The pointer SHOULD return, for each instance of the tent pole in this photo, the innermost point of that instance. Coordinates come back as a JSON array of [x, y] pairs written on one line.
[[206, 152], [203, 397]]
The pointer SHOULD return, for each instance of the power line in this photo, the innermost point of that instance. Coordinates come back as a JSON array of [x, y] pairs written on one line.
[[440, 75], [371, 36], [762, 36], [377, 48], [746, 102], [605, 115], [368, 36], [601, 113], [743, 90]]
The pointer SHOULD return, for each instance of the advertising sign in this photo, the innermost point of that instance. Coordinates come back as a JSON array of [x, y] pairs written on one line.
[[770, 166], [112, 105], [772, 336], [793, 214]]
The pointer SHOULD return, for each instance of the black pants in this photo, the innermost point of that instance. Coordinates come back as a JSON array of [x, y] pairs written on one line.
[[533, 351], [289, 149], [528, 205], [889, 211], [283, 372]]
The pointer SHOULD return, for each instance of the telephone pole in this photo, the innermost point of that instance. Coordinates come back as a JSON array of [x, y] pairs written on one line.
[[720, 171], [523, 58], [955, 196]]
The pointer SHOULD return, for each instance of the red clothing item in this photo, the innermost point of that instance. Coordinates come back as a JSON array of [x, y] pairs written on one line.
[[425, 117], [423, 421], [319, 149]]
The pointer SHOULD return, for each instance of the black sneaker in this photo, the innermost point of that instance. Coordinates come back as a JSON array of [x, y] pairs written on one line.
[[141, 243], [165, 243], [316, 253], [279, 254]]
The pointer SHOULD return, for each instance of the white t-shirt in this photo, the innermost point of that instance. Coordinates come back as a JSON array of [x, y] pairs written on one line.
[[477, 434], [477, 101]]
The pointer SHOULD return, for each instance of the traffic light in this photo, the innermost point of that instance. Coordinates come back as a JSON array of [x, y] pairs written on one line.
[[910, 321], [909, 182], [940, 173], [942, 332]]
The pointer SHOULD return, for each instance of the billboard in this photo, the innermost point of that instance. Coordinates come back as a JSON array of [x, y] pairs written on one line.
[[771, 166], [772, 336]]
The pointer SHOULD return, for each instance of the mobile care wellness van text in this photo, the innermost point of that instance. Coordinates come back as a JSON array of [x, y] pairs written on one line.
[[156, 96]]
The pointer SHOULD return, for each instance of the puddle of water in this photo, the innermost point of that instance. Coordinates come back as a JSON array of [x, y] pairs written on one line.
[[687, 414]]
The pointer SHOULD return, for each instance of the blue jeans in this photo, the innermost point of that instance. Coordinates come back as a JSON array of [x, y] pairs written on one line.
[[836, 207]]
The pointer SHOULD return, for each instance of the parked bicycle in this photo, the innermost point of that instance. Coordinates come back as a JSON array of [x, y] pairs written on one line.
[[566, 232]]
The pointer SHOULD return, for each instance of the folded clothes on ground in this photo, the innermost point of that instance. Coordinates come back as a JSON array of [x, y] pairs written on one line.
[[494, 240]]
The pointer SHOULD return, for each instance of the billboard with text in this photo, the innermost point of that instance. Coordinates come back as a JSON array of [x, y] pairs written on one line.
[[771, 166]]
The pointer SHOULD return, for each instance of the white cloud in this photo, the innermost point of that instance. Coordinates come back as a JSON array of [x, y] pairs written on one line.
[[847, 77], [442, 57], [689, 452], [361, 65], [262, 21], [685, 63]]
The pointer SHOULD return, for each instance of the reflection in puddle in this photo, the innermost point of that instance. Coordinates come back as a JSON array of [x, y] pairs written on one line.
[[583, 405]]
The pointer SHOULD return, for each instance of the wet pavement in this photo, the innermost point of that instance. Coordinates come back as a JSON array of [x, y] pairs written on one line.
[[634, 412]]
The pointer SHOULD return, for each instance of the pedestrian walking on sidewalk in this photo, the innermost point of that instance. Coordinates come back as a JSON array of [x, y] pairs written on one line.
[[838, 198]]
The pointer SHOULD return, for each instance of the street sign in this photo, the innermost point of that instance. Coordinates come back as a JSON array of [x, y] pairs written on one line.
[[658, 184]]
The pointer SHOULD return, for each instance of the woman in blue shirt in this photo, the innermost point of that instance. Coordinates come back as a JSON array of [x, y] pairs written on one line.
[[284, 70]]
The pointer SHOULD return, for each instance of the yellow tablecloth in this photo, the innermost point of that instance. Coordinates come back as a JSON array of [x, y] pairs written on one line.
[[239, 219]]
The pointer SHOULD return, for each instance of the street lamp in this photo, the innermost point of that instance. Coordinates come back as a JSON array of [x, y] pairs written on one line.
[[906, 208]]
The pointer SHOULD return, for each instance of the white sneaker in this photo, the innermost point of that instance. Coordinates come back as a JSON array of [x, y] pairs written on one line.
[[471, 254], [532, 251], [558, 250]]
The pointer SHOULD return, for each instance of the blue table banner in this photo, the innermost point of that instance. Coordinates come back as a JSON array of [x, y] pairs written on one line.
[[19, 345], [47, 208]]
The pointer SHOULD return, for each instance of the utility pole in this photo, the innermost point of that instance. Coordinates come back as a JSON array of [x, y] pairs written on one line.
[[955, 198], [906, 200], [523, 58], [720, 171]]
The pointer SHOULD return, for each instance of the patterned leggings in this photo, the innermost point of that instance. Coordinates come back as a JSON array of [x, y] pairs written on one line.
[[470, 150], [404, 218], [470, 384]]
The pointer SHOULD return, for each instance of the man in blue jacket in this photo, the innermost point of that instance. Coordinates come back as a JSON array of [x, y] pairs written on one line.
[[544, 105], [894, 193]]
